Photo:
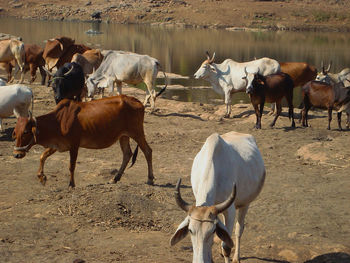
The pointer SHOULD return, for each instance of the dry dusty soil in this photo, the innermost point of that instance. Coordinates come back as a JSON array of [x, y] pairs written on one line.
[[301, 215]]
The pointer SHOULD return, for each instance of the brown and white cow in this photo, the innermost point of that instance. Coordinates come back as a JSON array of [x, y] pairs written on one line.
[[33, 61], [93, 125], [13, 49]]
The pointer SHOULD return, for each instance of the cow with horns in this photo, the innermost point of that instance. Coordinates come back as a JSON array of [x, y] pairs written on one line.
[[227, 77], [68, 82], [227, 175]]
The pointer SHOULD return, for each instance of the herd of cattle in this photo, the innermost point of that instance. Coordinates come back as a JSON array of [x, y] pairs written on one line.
[[229, 169]]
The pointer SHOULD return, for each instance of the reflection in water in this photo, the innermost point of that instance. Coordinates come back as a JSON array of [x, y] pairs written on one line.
[[182, 50]]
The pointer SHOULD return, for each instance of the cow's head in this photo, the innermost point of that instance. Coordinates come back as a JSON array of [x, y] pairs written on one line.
[[323, 75], [60, 84], [91, 87], [25, 134], [207, 68], [202, 222], [252, 80]]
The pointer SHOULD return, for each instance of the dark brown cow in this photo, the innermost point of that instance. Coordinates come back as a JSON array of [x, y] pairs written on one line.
[[33, 61], [93, 125], [325, 96], [271, 88], [60, 50]]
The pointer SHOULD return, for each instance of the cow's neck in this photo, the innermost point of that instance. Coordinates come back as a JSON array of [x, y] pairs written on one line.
[[46, 125], [217, 80]]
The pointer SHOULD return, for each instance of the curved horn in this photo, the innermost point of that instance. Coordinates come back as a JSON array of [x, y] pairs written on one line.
[[48, 72], [65, 74], [180, 202], [329, 66], [245, 71], [226, 204], [208, 56], [322, 66], [212, 58]]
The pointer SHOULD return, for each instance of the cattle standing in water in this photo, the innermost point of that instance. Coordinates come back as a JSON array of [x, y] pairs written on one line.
[[271, 88], [15, 100], [228, 169], [68, 82], [33, 61], [325, 96], [226, 78], [12, 49], [93, 125], [119, 66]]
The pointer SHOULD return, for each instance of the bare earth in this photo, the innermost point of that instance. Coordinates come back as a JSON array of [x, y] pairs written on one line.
[[302, 214], [321, 15]]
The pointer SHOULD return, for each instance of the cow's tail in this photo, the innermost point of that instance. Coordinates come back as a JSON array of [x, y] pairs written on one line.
[[32, 102], [134, 156], [165, 80]]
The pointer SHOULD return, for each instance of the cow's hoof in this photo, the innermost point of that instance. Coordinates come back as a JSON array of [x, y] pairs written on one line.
[[150, 182], [42, 179], [227, 116], [71, 185]]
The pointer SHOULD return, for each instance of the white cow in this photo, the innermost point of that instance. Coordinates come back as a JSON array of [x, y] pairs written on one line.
[[131, 68], [332, 78], [229, 76], [13, 49], [15, 99], [227, 162]]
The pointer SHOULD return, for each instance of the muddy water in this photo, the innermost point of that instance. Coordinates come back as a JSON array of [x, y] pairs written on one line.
[[181, 50]]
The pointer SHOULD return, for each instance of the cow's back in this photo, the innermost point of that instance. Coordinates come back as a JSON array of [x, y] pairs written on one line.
[[232, 157], [103, 121], [319, 94], [14, 96], [300, 72]]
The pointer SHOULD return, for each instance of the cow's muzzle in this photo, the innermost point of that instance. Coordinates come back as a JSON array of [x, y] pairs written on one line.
[[20, 152]]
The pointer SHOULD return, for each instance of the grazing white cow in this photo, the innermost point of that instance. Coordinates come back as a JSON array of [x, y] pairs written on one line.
[[229, 76], [15, 99], [228, 169], [131, 68]]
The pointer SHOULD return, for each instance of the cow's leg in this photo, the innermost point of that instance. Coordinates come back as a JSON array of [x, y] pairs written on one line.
[[32, 70], [241, 213], [228, 103], [229, 216], [43, 157], [119, 87], [348, 120], [279, 110], [0, 125], [289, 98], [147, 151], [73, 159], [339, 120], [329, 117], [150, 94], [43, 75], [127, 153], [110, 85], [10, 77]]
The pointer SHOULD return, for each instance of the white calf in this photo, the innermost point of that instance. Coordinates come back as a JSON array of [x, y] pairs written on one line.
[[15, 99], [228, 168]]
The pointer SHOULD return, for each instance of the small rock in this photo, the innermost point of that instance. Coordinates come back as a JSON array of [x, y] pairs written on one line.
[[289, 255], [96, 15], [88, 3]]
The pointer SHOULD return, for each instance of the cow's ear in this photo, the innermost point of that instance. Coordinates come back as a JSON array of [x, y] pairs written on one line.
[[13, 134], [180, 232], [223, 234], [67, 114]]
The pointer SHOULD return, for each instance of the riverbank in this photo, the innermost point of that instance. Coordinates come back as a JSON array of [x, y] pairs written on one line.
[[290, 15]]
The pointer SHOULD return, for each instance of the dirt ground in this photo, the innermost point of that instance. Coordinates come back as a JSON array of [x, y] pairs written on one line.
[[301, 215], [320, 15]]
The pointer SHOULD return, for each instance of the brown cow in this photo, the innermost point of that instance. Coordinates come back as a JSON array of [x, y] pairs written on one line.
[[325, 96], [13, 49], [60, 50], [93, 125], [300, 72], [33, 61], [90, 60], [271, 88]]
